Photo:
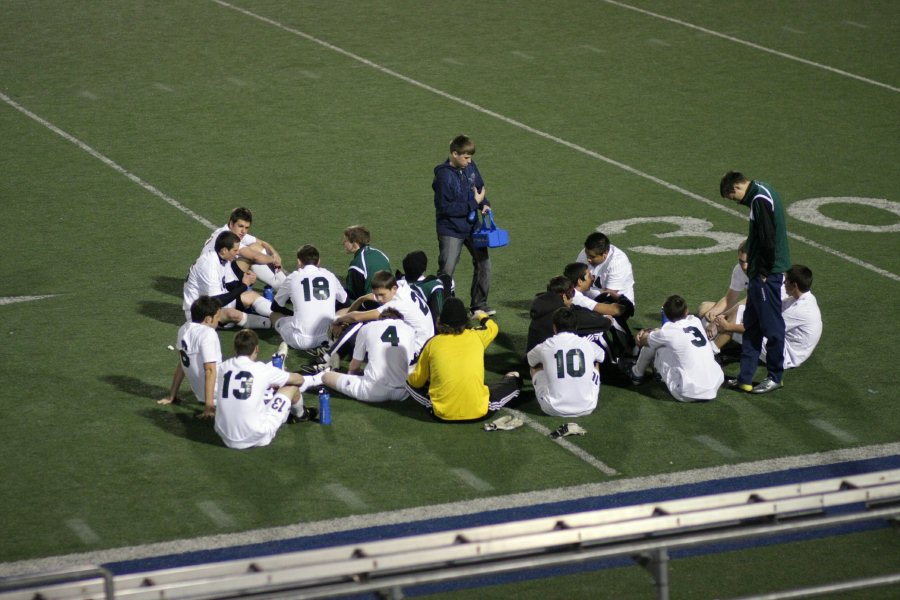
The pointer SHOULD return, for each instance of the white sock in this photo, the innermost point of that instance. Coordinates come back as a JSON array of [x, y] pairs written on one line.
[[297, 409], [311, 381], [262, 307], [255, 322], [265, 274]]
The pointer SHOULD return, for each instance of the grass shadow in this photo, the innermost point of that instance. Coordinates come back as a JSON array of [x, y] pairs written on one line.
[[164, 312], [183, 422], [173, 286], [135, 387]]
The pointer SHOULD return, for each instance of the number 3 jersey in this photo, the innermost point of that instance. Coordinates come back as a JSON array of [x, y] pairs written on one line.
[[685, 359], [243, 419], [198, 344]]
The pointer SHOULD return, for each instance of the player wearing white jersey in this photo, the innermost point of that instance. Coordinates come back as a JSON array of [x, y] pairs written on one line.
[[612, 270], [199, 353], [207, 276], [682, 356], [565, 369], [718, 317], [386, 346], [254, 254], [244, 418], [314, 293], [802, 317]]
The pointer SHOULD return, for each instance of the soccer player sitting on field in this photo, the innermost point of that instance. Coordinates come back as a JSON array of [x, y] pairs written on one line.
[[681, 355], [431, 288], [448, 378], [199, 353], [314, 293], [387, 292], [719, 316], [386, 346], [801, 314], [560, 292], [256, 254], [244, 418], [565, 369], [365, 263], [620, 341], [207, 278]]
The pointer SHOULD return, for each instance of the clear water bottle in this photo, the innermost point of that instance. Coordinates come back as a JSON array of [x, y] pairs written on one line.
[[324, 406]]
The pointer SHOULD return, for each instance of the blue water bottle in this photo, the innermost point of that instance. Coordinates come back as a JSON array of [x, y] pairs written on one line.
[[324, 406], [662, 316], [268, 294]]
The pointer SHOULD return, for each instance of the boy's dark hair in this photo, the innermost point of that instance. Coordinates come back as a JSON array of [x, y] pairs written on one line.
[[203, 307], [308, 255], [675, 308], [729, 180], [245, 342], [597, 243], [575, 271], [561, 285], [226, 239], [391, 313], [462, 144], [357, 234], [383, 280], [801, 276], [564, 319], [414, 265], [241, 214]]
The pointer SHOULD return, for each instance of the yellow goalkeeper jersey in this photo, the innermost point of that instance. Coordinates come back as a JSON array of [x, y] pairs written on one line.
[[454, 366]]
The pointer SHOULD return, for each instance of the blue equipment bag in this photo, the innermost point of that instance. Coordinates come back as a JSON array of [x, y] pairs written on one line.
[[490, 236]]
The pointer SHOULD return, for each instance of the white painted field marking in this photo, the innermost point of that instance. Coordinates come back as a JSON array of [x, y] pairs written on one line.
[[87, 94], [659, 42], [855, 24], [548, 136], [594, 49], [834, 431], [451, 509], [347, 496], [793, 30], [13, 299], [83, 531], [216, 514], [310, 74], [753, 45], [582, 454], [472, 480], [163, 87], [521, 54], [716, 446], [107, 161], [236, 81]]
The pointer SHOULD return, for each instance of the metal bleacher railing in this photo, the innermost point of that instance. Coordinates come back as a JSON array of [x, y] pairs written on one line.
[[646, 533]]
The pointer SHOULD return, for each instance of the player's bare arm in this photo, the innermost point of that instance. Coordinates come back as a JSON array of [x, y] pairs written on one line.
[[177, 378], [209, 388]]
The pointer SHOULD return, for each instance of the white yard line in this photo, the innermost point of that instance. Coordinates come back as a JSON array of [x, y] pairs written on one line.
[[717, 446], [472, 480], [13, 299], [106, 161], [83, 531], [580, 453], [346, 496], [756, 46], [548, 136], [452, 509], [834, 431], [215, 514]]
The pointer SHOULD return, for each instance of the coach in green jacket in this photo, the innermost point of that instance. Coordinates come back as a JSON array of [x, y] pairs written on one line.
[[769, 256]]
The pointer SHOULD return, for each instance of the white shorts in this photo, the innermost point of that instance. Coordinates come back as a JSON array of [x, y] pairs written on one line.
[[295, 339], [366, 390], [265, 427], [548, 403]]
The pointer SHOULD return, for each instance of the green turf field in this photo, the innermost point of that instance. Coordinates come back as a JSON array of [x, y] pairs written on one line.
[[128, 129]]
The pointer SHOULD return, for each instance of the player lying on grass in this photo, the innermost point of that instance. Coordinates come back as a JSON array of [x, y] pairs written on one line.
[[681, 354], [245, 416], [386, 347], [207, 277], [199, 353], [314, 293], [254, 254], [565, 369], [448, 378]]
